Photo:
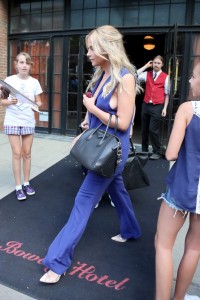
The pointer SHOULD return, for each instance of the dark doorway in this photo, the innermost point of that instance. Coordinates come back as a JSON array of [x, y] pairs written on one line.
[[139, 56]]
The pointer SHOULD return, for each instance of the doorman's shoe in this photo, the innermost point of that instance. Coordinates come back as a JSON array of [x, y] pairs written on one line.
[[155, 156]]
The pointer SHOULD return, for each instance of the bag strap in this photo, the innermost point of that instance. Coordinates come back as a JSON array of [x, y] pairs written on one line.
[[116, 123], [132, 146], [108, 125]]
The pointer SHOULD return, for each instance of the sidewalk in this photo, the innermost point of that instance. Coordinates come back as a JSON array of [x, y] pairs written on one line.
[[46, 151]]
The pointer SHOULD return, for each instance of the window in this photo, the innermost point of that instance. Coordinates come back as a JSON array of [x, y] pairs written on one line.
[[48, 15], [57, 82], [196, 13], [36, 16], [90, 14]]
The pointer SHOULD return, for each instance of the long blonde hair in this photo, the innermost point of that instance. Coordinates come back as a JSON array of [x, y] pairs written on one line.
[[107, 43]]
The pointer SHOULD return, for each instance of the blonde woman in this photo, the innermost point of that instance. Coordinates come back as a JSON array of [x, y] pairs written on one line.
[[19, 122], [113, 92]]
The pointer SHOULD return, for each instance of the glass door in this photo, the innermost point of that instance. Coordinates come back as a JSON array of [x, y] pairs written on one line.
[[172, 67], [39, 51], [79, 74], [74, 87]]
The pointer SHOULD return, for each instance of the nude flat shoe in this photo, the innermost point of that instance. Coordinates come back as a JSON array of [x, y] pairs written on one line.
[[118, 238], [50, 277]]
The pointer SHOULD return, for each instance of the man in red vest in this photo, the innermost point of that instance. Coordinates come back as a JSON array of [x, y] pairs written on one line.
[[155, 103]]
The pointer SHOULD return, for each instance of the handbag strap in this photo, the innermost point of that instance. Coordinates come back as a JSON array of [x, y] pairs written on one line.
[[108, 125], [116, 123], [132, 146]]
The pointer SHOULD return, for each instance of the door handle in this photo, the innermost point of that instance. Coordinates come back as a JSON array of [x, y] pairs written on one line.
[[176, 77], [176, 74], [169, 73]]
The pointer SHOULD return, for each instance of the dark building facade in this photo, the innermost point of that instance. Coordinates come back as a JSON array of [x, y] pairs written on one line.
[[53, 33]]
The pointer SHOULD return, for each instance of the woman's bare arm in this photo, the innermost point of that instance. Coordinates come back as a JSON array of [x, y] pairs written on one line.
[[182, 119]]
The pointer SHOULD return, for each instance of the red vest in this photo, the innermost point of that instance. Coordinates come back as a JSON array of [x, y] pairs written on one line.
[[155, 90]]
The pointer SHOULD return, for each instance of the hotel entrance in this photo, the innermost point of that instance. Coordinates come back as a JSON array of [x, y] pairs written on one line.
[[62, 67], [135, 46], [53, 33]]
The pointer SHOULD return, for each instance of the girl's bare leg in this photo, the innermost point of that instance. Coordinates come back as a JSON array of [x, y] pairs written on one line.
[[27, 141], [167, 229], [16, 157], [190, 258]]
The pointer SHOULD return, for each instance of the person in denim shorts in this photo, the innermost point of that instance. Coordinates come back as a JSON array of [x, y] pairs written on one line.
[[182, 199], [19, 122]]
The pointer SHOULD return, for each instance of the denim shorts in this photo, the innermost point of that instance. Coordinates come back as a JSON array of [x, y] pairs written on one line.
[[19, 130], [167, 197]]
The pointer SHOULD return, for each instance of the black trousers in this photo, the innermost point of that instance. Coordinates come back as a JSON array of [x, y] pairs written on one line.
[[151, 116]]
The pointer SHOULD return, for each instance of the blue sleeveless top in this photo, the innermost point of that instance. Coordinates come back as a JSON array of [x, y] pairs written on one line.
[[104, 104], [184, 177]]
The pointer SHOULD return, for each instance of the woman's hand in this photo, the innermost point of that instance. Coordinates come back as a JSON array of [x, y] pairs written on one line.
[[84, 125], [88, 102]]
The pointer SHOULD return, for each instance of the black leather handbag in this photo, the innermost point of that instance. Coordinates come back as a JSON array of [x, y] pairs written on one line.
[[134, 175], [98, 151]]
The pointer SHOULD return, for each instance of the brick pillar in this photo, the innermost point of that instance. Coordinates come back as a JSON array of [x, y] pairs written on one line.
[[3, 49]]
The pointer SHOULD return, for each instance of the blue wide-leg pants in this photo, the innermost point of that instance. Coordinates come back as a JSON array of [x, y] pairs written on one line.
[[60, 252]]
